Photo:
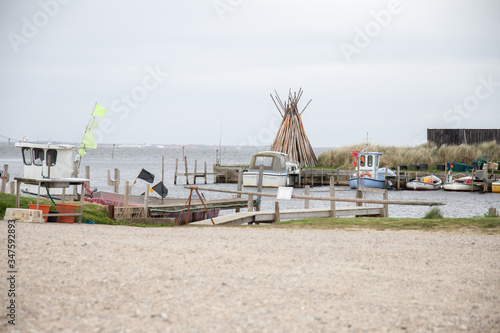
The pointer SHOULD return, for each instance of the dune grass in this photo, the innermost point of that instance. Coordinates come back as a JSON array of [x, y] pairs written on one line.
[[426, 153]]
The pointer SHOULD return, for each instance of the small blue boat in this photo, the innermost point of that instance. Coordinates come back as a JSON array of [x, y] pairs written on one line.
[[369, 173]]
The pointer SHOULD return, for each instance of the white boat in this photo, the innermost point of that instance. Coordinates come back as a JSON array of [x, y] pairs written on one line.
[[426, 183], [46, 160], [462, 184], [369, 173], [278, 170]]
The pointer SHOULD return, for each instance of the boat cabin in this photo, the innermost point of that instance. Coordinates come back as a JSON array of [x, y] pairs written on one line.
[[368, 164], [47, 160], [272, 161]]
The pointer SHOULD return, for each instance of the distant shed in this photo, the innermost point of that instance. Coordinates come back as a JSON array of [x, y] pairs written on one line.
[[458, 136]]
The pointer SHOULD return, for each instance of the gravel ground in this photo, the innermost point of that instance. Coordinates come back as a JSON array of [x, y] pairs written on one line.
[[98, 278]]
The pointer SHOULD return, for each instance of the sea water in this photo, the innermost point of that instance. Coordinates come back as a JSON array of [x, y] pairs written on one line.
[[130, 159]]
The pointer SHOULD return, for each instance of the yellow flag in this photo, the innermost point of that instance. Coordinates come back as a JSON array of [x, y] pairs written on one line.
[[89, 140], [81, 152], [99, 111]]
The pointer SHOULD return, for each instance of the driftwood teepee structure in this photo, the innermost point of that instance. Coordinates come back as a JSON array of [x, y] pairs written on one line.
[[291, 138]]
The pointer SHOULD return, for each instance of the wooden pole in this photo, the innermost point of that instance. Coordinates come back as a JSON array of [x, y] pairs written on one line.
[[259, 185], [276, 212], [239, 187], [250, 202], [205, 171], [5, 178], [12, 187], [195, 170], [186, 170], [399, 179], [146, 202], [175, 174], [307, 192], [332, 195], [386, 206], [125, 194], [162, 175]]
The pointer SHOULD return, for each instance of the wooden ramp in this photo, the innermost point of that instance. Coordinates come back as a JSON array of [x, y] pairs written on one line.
[[292, 214]]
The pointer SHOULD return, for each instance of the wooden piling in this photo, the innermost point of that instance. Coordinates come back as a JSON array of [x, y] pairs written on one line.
[[175, 174], [205, 171], [12, 187], [259, 186], [146, 202], [5, 178], [250, 203], [307, 192], [239, 186], [186, 169], [195, 170], [125, 194], [332, 195], [276, 212]]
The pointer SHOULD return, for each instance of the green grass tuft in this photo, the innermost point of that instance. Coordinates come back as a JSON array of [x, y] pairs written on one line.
[[434, 213]]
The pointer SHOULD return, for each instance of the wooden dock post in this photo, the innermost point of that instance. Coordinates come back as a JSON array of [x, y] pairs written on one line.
[[307, 191], [276, 212], [332, 194], [259, 186], [386, 206], [399, 179], [115, 182], [195, 170], [250, 203], [146, 202], [338, 175], [321, 176], [312, 177], [12, 187], [300, 176], [205, 171], [175, 174], [240, 183], [125, 194], [75, 175], [5, 178], [186, 169]]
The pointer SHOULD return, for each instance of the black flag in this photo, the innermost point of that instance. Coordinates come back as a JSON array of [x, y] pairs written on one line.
[[146, 176], [160, 189]]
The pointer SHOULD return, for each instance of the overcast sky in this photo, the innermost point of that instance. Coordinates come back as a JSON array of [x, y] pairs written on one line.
[[200, 71]]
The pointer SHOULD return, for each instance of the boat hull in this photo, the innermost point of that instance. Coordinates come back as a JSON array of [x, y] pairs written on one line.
[[422, 186], [368, 182], [461, 187], [495, 187], [269, 179]]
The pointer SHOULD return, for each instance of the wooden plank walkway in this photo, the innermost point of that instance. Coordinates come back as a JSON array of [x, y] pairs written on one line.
[[292, 214]]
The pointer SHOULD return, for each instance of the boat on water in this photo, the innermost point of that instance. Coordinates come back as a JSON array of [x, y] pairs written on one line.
[[495, 187], [278, 170], [427, 183], [462, 184], [370, 175]]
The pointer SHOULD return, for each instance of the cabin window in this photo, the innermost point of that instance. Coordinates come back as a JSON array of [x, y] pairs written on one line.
[[38, 156], [362, 160], [27, 155], [265, 161], [52, 157], [370, 160]]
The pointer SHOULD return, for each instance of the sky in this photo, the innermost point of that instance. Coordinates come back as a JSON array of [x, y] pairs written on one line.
[[202, 71]]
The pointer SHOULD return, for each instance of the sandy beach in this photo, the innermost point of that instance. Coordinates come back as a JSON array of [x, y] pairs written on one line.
[[100, 278]]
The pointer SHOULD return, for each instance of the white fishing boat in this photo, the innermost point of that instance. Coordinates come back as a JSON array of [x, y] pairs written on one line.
[[46, 160], [427, 183], [462, 184], [370, 175], [278, 170]]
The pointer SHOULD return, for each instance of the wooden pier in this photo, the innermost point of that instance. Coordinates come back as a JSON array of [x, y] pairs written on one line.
[[277, 215], [177, 206]]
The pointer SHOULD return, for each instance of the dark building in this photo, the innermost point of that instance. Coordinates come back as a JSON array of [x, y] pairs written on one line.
[[458, 136]]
